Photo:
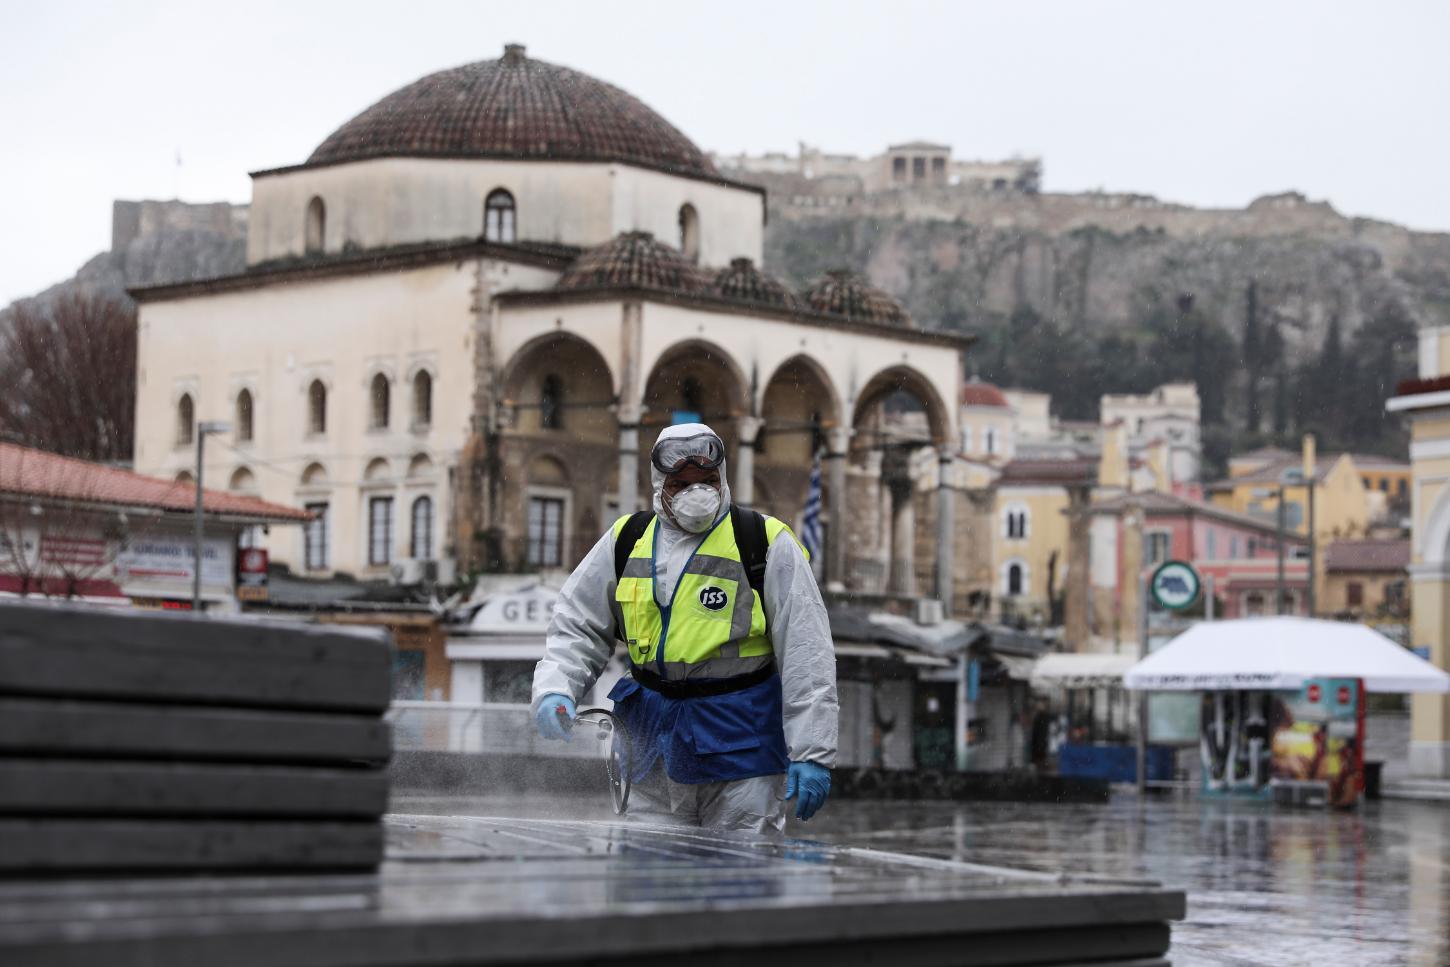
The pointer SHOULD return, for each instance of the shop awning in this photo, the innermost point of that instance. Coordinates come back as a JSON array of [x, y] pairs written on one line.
[[1282, 653], [1085, 670]]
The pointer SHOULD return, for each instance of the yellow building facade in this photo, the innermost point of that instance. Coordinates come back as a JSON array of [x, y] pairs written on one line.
[[1426, 403]]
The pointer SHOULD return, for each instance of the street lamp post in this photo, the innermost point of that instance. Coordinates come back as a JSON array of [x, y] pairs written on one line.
[[203, 427]]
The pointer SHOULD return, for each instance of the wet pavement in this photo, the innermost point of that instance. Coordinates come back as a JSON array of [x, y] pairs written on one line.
[[1266, 886]]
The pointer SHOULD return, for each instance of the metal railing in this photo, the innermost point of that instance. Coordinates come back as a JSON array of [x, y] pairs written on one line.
[[487, 728]]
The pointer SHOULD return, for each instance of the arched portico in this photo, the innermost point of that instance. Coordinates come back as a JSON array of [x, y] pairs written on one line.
[[696, 381], [557, 448], [799, 410], [897, 413]]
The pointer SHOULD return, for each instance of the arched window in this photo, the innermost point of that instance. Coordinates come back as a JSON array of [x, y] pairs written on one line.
[[1014, 580], [379, 393], [690, 232], [317, 407], [244, 416], [185, 478], [185, 420], [422, 545], [422, 398], [1015, 522], [551, 403], [499, 217], [316, 226]]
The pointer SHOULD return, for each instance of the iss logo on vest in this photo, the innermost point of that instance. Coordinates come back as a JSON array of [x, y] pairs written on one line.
[[714, 600]]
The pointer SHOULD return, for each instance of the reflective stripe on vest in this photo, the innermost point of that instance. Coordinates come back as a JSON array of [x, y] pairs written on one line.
[[714, 625]]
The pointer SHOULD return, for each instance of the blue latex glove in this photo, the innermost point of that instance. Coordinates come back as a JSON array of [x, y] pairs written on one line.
[[555, 717], [809, 785]]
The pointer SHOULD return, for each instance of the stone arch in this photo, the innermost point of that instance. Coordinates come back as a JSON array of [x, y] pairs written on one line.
[[692, 381], [548, 470], [1435, 545], [695, 372], [243, 479], [891, 383], [582, 389], [799, 407], [314, 475], [798, 400], [379, 470], [185, 478], [421, 466]]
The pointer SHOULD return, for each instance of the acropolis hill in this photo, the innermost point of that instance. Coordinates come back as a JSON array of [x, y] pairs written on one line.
[[968, 243]]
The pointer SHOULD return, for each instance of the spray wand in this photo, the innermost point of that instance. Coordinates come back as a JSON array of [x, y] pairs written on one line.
[[616, 764]]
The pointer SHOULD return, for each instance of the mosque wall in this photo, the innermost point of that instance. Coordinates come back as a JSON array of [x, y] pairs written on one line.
[[731, 220], [400, 201], [275, 342]]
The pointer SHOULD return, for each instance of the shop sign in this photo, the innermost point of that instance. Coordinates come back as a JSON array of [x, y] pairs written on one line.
[[170, 560], [252, 574]]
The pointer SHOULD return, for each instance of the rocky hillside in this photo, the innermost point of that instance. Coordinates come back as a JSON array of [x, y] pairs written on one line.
[[153, 242], [1079, 297]]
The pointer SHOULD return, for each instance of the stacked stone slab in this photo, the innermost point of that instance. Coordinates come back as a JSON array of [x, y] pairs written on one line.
[[142, 741]]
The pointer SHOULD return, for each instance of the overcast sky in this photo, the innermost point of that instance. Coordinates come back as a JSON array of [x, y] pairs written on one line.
[[1210, 104]]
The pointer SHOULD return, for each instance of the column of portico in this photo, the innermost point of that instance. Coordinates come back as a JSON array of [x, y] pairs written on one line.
[[629, 410], [838, 441], [896, 475], [742, 488], [945, 528]]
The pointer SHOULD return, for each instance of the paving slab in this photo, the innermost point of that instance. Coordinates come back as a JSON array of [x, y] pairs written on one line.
[[67, 787], [469, 890], [63, 727]]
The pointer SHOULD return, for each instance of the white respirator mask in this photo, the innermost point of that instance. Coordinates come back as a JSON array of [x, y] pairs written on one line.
[[696, 507]]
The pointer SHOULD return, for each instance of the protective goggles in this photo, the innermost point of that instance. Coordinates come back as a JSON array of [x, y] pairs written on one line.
[[704, 450]]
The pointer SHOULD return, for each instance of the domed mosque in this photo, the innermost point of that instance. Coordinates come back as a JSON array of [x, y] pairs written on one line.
[[466, 315]]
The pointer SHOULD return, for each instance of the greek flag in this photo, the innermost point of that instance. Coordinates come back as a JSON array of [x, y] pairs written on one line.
[[811, 520]]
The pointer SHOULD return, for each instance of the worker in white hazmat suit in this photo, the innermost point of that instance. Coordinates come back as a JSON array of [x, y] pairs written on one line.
[[731, 699]]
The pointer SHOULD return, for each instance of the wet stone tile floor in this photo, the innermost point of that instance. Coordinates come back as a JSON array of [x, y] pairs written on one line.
[[1266, 885]]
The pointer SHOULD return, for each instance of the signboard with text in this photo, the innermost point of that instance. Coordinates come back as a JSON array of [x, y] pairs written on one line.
[[525, 610], [170, 561], [252, 574]]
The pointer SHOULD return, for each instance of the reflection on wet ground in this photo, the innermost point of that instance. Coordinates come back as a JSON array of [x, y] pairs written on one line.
[[1266, 886]]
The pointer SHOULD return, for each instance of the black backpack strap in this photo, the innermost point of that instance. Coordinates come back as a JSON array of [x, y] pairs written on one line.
[[750, 539], [629, 536]]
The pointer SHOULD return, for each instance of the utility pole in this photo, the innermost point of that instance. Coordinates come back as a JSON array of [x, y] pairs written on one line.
[[1310, 473], [1142, 757], [1279, 579], [203, 427]]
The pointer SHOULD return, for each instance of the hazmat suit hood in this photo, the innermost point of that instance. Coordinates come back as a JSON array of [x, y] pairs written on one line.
[[657, 478]]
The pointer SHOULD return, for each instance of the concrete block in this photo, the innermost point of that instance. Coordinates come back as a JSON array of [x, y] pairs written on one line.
[[29, 846], [52, 649], [65, 727], [70, 787]]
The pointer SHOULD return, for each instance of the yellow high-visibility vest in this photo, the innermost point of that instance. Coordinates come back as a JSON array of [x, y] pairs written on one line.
[[714, 624]]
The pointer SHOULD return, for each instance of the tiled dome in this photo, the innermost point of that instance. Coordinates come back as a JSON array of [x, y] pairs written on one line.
[[743, 282], [844, 293], [633, 260], [515, 107], [978, 393]]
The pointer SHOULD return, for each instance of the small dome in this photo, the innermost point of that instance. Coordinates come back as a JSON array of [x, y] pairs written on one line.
[[515, 107], [743, 282], [633, 260], [844, 293], [978, 393]]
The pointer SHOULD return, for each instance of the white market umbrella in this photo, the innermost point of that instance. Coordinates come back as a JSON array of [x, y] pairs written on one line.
[[1282, 653]]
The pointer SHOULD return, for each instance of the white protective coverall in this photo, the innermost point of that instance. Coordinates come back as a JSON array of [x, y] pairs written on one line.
[[580, 642]]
